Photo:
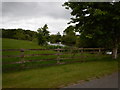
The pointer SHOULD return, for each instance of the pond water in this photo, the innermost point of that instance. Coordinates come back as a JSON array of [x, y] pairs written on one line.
[[56, 44]]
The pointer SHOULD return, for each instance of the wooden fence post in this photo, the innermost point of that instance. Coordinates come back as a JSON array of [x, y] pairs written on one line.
[[58, 57], [99, 50], [81, 50], [22, 57]]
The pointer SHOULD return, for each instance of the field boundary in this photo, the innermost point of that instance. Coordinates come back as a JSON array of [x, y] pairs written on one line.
[[57, 60], [58, 53]]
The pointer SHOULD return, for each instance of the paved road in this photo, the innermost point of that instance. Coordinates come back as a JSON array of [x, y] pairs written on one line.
[[110, 81]]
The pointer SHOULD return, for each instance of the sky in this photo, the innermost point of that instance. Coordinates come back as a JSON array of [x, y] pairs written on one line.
[[34, 15]]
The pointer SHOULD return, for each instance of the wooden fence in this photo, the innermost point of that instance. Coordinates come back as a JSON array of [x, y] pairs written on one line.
[[23, 60], [21, 63], [58, 53]]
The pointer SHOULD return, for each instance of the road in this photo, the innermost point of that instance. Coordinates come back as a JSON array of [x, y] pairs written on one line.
[[109, 81]]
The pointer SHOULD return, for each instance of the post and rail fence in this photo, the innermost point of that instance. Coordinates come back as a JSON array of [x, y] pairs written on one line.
[[58, 53], [22, 55]]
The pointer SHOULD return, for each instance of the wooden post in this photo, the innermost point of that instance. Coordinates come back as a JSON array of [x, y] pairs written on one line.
[[71, 52], [99, 50], [81, 50], [58, 57], [22, 57]]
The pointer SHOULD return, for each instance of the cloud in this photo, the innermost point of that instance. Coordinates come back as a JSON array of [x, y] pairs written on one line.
[[55, 25], [0, 13], [34, 9], [33, 15], [35, 0]]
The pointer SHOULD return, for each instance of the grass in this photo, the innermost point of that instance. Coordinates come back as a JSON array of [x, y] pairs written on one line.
[[18, 44], [52, 76], [58, 76]]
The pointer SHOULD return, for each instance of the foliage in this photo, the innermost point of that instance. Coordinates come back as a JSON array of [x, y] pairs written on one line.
[[69, 29], [78, 42], [19, 34], [86, 41], [43, 35], [55, 38], [69, 38], [98, 21]]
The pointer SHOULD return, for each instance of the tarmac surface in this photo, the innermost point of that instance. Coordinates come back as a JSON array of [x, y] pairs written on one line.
[[109, 81]]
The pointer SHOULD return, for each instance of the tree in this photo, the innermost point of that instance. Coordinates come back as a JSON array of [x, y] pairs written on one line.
[[43, 35], [58, 37], [55, 38], [69, 39], [30, 35], [69, 29], [19, 34], [100, 21]]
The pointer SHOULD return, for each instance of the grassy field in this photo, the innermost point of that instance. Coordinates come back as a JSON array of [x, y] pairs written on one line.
[[18, 44], [96, 66], [58, 76], [21, 44]]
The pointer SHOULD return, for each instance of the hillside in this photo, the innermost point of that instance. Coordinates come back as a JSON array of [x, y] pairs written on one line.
[[17, 44]]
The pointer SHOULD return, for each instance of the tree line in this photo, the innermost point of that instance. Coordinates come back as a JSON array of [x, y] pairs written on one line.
[[42, 36], [19, 34]]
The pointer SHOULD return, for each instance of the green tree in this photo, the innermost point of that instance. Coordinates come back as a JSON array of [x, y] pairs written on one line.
[[55, 38], [69, 29], [43, 35], [19, 34], [100, 21], [69, 39], [58, 37]]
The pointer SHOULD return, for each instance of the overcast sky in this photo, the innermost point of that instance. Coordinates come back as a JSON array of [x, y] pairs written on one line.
[[33, 15]]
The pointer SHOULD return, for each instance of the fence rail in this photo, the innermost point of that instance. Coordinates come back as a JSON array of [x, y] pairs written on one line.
[[58, 59], [58, 52], [51, 49]]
